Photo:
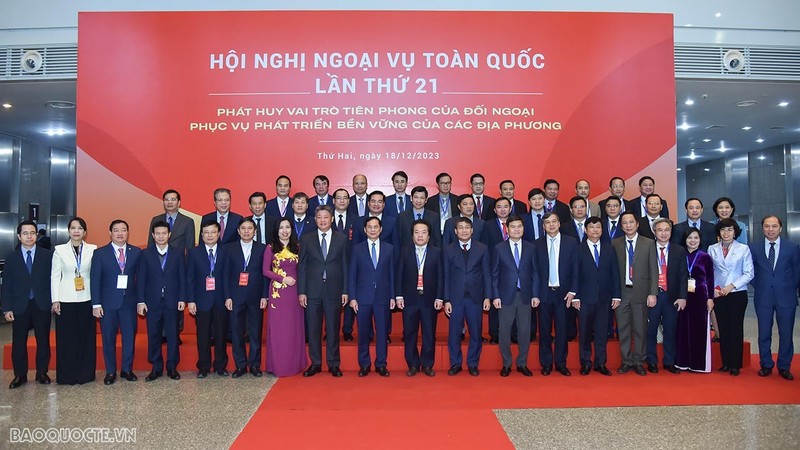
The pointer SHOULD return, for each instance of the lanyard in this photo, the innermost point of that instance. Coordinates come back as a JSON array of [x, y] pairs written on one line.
[[163, 260], [420, 262], [693, 261], [445, 204], [299, 231], [78, 255]]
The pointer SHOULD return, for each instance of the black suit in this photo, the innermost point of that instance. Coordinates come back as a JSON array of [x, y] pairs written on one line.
[[708, 235], [487, 207], [27, 295], [677, 284], [269, 228], [246, 296], [518, 208], [645, 229], [305, 226], [598, 284], [181, 233], [434, 205], [418, 306], [636, 205], [493, 234], [204, 288], [626, 206], [562, 211], [347, 230], [232, 221], [352, 208], [324, 294], [404, 227]]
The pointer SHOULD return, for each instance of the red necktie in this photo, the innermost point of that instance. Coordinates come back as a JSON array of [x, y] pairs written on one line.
[[662, 280]]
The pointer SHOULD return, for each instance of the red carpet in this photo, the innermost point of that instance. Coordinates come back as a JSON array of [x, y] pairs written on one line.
[[457, 411]]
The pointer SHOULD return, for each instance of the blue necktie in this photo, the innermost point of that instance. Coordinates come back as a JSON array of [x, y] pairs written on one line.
[[374, 256], [211, 261], [516, 260], [630, 259], [324, 248], [596, 256], [29, 265], [580, 231], [553, 273], [613, 228], [170, 221], [400, 204]]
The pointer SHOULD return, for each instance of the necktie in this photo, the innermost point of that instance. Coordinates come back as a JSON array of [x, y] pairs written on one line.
[[479, 205], [552, 277], [505, 231], [549, 207], [596, 256], [258, 230], [374, 256], [361, 207], [613, 228], [694, 225], [221, 227], [170, 221], [29, 262], [400, 204], [630, 259], [340, 223], [322, 201], [539, 225], [419, 216], [283, 207], [662, 280], [466, 254], [324, 247], [516, 260], [121, 260], [579, 226], [211, 260], [771, 256]]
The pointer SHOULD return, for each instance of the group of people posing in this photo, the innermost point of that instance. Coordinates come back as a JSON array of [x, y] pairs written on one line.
[[559, 271]]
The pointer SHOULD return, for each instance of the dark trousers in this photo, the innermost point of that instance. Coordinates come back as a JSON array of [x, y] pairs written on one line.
[[552, 313], [39, 320], [472, 313], [784, 315], [572, 323], [515, 312], [730, 317], [418, 312], [124, 321], [76, 344], [593, 329], [366, 314], [348, 320], [215, 319], [663, 313], [246, 317], [162, 318], [327, 309], [494, 322]]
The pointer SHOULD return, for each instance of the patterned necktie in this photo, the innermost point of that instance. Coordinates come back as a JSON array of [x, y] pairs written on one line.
[[479, 205], [211, 260], [400, 204], [221, 227], [539, 225], [258, 230], [374, 256], [663, 263], [771, 256], [630, 259], [516, 260], [613, 228], [596, 256], [466, 254], [324, 247], [361, 207], [505, 231], [121, 260], [340, 223]]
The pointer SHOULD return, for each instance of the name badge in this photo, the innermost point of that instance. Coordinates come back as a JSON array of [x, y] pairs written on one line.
[[662, 280], [79, 286], [243, 278], [419, 282], [211, 283], [122, 282], [691, 284]]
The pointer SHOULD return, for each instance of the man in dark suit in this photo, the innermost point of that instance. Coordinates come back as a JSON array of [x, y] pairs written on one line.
[[322, 289], [777, 266], [466, 208], [467, 289], [322, 196], [371, 294], [638, 269], [444, 202], [647, 186], [582, 190], [358, 202], [181, 226], [496, 231], [245, 298], [673, 282], [303, 223], [616, 188], [515, 283], [227, 220], [375, 205], [646, 223], [694, 212], [578, 207], [343, 222], [518, 208], [43, 240], [484, 205], [419, 284], [26, 303], [113, 288], [265, 224], [534, 226], [611, 216], [204, 279], [161, 287], [598, 289], [281, 205], [552, 203], [419, 195], [398, 202], [557, 262]]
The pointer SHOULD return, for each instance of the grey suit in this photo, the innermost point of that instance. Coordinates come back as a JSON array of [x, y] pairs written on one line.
[[632, 312], [182, 232]]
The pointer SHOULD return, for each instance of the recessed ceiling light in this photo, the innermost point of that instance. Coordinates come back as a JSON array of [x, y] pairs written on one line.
[[783, 104], [706, 140], [762, 157], [684, 126], [679, 169], [745, 103], [722, 148], [707, 169], [689, 102], [55, 132], [60, 104], [719, 14], [687, 25], [7, 105], [747, 128], [759, 140], [693, 155]]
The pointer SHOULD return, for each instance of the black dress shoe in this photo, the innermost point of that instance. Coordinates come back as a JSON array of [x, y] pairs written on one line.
[[603, 370], [239, 372], [505, 371], [735, 372], [585, 370], [546, 370], [429, 371], [652, 368], [639, 369], [454, 370], [256, 372], [382, 371], [110, 379], [335, 371], [724, 369], [623, 369], [524, 371], [312, 370], [672, 369], [173, 374], [18, 381], [152, 376], [563, 371], [42, 378], [348, 337], [786, 375], [364, 371], [473, 371], [412, 371], [764, 372], [493, 340], [202, 374], [388, 339], [130, 376], [222, 372]]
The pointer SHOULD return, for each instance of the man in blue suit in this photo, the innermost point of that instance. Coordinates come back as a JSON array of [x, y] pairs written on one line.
[[598, 289], [376, 201], [467, 289], [281, 205], [371, 293], [495, 232], [161, 287], [419, 195], [557, 262], [227, 220], [322, 196], [612, 211], [694, 212], [466, 208], [302, 222], [204, 278], [515, 283], [777, 268], [398, 202], [245, 298], [26, 302], [534, 226], [113, 288]]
